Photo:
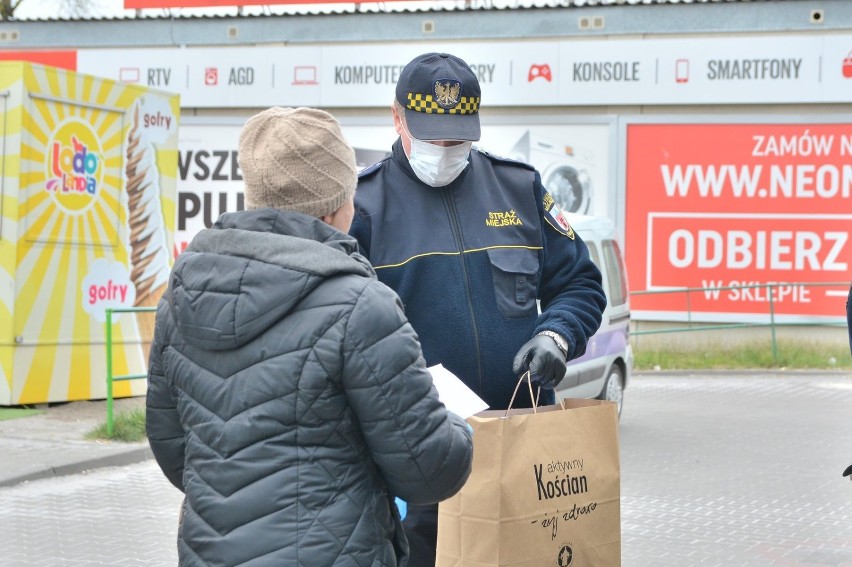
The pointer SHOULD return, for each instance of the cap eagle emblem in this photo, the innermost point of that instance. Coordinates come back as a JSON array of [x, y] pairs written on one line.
[[447, 93]]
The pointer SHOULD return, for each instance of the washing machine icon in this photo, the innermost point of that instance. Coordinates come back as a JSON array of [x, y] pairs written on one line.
[[564, 170], [365, 157]]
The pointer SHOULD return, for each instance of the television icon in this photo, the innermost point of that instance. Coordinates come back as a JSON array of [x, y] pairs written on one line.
[[129, 74], [305, 75]]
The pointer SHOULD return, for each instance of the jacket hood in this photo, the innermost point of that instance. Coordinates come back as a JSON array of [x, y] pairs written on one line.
[[250, 269]]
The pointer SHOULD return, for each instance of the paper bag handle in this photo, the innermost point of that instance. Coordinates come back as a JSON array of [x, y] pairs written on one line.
[[518, 385], [559, 398], [532, 397]]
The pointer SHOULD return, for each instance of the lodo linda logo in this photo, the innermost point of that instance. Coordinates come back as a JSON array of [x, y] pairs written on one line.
[[74, 162], [565, 557]]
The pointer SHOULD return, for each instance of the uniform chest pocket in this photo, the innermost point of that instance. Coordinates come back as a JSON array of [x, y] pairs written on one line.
[[515, 275]]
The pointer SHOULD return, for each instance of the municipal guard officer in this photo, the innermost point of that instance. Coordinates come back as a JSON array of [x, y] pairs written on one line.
[[470, 241]]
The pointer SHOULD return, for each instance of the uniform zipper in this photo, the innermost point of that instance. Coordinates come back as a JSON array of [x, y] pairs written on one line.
[[454, 226]]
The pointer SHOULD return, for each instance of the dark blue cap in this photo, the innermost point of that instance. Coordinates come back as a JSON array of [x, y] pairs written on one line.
[[440, 95]]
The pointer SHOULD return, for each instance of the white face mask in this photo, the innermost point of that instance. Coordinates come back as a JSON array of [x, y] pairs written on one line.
[[437, 166]]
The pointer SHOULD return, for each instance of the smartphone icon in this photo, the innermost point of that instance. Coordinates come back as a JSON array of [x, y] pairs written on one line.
[[682, 70]]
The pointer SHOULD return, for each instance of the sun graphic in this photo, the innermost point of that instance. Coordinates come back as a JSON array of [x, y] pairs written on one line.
[[71, 161], [80, 162], [70, 215]]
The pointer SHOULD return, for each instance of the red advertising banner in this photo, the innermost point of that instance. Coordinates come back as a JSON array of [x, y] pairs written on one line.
[[64, 59], [143, 4], [738, 206]]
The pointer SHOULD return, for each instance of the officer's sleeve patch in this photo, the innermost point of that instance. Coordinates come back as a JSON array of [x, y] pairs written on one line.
[[555, 217]]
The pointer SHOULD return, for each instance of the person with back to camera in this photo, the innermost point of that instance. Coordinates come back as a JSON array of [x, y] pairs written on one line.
[[287, 394], [470, 241], [848, 471]]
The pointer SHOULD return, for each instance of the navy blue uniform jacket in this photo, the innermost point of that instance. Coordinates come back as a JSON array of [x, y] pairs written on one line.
[[469, 261]]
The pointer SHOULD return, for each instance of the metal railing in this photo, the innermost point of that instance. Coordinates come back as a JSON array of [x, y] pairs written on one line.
[[691, 325], [771, 295], [109, 375]]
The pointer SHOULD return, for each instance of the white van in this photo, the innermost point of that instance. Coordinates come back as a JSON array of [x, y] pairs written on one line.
[[604, 370]]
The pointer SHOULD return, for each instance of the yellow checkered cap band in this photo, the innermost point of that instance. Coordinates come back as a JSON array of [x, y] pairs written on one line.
[[426, 103]]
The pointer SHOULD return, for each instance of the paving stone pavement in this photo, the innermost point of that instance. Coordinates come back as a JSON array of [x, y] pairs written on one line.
[[717, 469], [113, 516], [737, 470]]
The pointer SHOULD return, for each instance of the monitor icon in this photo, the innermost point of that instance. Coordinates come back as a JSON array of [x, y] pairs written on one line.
[[305, 75]]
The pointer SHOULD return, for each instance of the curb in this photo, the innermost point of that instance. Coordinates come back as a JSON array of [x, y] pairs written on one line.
[[776, 372], [120, 459]]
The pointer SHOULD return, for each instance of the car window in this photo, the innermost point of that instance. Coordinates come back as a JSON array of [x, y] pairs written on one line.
[[617, 281], [593, 253]]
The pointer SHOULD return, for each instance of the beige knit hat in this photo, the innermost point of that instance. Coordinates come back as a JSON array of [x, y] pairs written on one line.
[[296, 159]]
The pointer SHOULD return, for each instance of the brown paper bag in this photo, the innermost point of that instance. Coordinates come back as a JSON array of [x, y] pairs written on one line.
[[544, 490]]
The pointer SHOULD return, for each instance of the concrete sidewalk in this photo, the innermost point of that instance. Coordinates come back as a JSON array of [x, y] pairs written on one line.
[[53, 442]]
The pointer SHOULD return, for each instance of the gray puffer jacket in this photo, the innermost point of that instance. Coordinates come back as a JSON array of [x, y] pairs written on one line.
[[289, 400]]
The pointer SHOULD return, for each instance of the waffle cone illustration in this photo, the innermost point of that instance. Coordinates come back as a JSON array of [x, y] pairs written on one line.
[[148, 246]]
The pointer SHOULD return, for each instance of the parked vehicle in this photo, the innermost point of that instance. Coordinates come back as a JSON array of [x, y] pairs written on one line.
[[604, 371]]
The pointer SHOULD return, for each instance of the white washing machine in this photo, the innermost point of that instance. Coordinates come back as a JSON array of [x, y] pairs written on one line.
[[365, 157], [564, 169]]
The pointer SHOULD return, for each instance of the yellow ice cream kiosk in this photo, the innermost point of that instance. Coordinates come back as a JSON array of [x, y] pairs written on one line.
[[87, 215]]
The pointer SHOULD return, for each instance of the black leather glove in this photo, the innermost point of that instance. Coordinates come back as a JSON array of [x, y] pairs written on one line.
[[544, 360]]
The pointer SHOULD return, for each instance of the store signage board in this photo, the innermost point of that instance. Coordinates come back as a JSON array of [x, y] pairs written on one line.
[[153, 4], [727, 208], [762, 69]]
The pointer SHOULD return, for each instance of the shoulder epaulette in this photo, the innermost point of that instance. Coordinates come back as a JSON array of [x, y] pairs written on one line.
[[371, 169], [505, 160]]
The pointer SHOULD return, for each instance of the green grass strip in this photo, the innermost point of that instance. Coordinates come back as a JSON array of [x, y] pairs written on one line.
[[15, 413], [128, 426], [792, 355]]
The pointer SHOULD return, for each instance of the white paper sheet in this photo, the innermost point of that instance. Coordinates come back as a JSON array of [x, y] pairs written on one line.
[[458, 398]]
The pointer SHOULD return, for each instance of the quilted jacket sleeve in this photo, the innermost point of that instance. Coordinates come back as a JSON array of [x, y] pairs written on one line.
[[423, 451], [162, 422]]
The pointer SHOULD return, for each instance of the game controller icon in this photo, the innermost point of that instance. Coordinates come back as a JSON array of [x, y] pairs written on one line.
[[539, 72]]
